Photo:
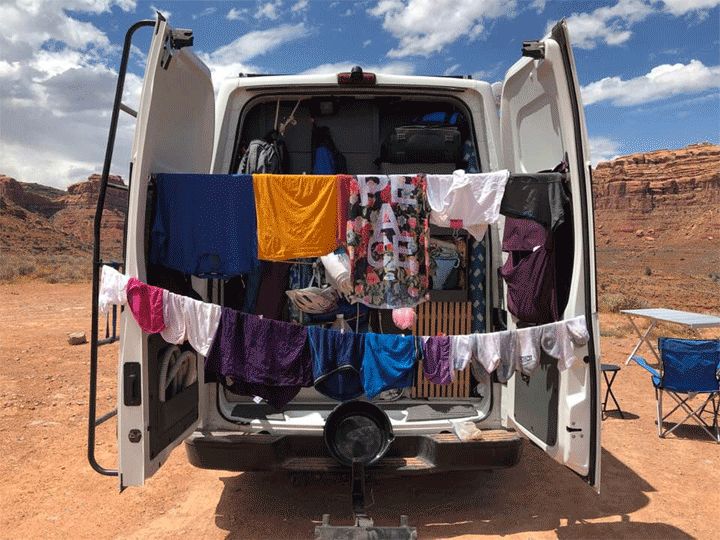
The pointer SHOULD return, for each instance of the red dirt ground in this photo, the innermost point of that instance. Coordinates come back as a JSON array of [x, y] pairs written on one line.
[[651, 488]]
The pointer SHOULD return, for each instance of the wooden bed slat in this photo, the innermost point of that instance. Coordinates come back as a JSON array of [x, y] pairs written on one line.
[[448, 318]]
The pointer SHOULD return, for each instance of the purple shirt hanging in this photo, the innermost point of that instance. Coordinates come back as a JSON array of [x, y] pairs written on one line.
[[261, 357]]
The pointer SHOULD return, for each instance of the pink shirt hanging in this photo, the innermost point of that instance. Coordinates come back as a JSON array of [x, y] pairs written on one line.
[[146, 305]]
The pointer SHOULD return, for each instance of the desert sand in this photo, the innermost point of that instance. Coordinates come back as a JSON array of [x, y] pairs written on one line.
[[651, 488]]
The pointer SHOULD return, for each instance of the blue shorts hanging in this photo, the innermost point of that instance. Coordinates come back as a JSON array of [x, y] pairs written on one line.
[[336, 362], [388, 363]]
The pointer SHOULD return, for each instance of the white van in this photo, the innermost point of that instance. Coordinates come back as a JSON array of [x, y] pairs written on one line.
[[531, 123]]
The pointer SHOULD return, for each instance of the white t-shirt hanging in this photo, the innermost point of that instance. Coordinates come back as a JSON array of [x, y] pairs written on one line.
[[494, 349], [112, 288], [174, 315], [467, 201], [559, 340], [461, 351], [201, 323], [529, 348]]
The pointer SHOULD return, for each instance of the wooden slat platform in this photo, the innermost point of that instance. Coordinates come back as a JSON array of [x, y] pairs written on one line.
[[448, 318]]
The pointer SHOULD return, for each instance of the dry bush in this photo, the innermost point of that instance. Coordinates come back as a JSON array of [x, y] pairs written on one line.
[[8, 268], [51, 268], [614, 302], [618, 331]]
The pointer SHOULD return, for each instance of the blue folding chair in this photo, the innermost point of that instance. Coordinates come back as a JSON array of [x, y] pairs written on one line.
[[689, 367]]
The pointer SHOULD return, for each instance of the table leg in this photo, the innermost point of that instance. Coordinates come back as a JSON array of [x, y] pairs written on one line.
[[643, 339]]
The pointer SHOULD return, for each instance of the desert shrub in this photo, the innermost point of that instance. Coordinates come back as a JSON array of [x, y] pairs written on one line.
[[15, 266], [48, 267], [8, 269], [26, 268], [648, 271], [614, 302], [63, 268], [622, 330]]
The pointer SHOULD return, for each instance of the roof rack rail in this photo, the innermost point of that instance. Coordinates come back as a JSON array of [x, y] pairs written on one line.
[[261, 74], [454, 76]]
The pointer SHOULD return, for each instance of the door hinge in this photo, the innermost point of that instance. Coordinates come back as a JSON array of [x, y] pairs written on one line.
[[177, 39], [166, 53], [181, 37], [533, 49]]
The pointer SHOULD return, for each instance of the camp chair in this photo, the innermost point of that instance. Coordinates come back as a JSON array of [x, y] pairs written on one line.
[[689, 367]]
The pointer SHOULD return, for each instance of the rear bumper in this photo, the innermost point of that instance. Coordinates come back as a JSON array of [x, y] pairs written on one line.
[[421, 454]]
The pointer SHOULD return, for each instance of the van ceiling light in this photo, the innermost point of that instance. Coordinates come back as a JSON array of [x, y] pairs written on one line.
[[358, 431]]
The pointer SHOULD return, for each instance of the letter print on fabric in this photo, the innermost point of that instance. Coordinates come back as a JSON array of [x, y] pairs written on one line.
[[387, 231]]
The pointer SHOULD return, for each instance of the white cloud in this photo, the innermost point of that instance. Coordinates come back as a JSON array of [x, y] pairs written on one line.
[[612, 25], [300, 5], [138, 54], [126, 5], [236, 14], [424, 27], [608, 24], [29, 25], [603, 149], [395, 68], [269, 10], [231, 59], [681, 7], [204, 13], [164, 12], [366, 43], [490, 73], [452, 70], [56, 100], [538, 5], [664, 81]]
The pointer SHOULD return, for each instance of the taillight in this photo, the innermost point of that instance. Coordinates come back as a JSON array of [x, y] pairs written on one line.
[[356, 77]]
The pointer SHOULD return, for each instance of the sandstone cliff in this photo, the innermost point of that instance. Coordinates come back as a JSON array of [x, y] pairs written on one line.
[[48, 232], [658, 226]]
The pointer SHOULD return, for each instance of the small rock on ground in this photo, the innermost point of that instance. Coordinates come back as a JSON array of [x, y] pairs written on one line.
[[77, 338]]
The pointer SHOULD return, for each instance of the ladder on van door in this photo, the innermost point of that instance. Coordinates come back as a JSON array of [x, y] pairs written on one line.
[[111, 321]]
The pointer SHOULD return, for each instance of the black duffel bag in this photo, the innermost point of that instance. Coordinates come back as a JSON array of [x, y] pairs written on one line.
[[422, 144]]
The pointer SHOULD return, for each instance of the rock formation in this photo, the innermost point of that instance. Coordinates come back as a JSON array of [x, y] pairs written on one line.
[[43, 230], [657, 217]]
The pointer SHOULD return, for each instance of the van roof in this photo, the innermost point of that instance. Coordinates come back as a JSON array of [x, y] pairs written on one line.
[[258, 81]]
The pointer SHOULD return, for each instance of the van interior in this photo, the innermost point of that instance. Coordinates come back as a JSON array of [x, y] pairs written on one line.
[[359, 126]]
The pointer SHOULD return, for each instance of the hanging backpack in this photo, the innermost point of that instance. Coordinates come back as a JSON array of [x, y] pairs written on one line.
[[261, 156]]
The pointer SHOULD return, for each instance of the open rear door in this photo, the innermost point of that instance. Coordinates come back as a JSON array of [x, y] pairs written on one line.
[[542, 122], [174, 133]]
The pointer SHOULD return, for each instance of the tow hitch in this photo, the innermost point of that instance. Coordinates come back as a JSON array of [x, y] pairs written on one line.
[[364, 527], [357, 434]]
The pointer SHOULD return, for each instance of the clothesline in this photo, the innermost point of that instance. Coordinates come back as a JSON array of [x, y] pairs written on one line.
[[233, 221], [274, 359]]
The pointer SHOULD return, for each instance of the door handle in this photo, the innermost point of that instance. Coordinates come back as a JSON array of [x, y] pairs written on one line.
[[132, 396]]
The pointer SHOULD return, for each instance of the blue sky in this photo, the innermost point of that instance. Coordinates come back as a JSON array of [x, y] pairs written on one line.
[[650, 69]]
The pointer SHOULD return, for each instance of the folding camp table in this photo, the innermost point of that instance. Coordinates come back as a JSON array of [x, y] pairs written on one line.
[[656, 315]]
